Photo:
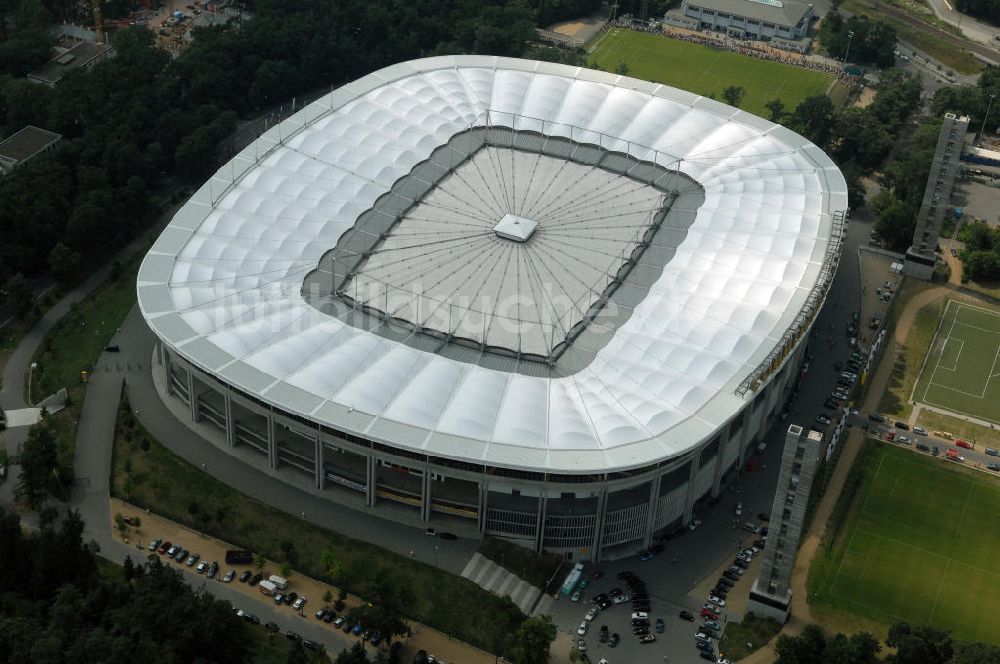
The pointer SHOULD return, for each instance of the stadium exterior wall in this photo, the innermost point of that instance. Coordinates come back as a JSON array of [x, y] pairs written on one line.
[[592, 517]]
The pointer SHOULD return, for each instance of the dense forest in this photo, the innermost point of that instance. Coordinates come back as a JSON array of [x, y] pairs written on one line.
[[56, 608], [141, 124], [859, 39], [987, 10]]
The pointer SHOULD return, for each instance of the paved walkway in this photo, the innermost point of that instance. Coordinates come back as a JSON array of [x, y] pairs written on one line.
[[489, 576]]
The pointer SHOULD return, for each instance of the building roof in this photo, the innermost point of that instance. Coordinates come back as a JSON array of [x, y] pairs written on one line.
[[79, 56], [224, 284], [25, 144], [780, 12]]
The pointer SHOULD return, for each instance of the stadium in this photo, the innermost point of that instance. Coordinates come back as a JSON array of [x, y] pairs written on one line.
[[499, 296]]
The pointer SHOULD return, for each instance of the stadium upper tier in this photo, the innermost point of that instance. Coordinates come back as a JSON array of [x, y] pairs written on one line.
[[504, 261]]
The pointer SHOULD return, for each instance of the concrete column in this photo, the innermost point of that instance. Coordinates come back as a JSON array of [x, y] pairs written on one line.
[[543, 504], [230, 420], [320, 472], [425, 495], [484, 495], [372, 475], [725, 443], [602, 505], [272, 442], [654, 500], [192, 396], [692, 478], [166, 373]]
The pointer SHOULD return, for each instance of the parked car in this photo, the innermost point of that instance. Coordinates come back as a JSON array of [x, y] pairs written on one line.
[[213, 569], [647, 638], [181, 555], [822, 419], [329, 617], [603, 635], [711, 624], [715, 599], [154, 545], [192, 559], [448, 536], [172, 550], [920, 431], [613, 641], [245, 576], [292, 636], [645, 555], [923, 448], [993, 466], [575, 597], [694, 524], [338, 621], [686, 615], [298, 603], [202, 566], [660, 627], [311, 645], [230, 575], [357, 629], [272, 627], [590, 615], [581, 645], [164, 547], [376, 638]]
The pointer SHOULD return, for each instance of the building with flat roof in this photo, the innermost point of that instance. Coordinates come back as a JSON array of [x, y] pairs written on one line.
[[505, 297], [784, 21], [922, 254], [80, 56], [771, 594], [24, 145]]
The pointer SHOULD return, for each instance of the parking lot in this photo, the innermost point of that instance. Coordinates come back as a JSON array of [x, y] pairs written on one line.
[[252, 602]]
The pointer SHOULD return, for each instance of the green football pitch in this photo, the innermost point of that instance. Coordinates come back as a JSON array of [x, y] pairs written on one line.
[[705, 70], [919, 545], [962, 369]]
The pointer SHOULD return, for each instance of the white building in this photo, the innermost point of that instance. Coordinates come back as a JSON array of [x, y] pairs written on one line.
[[752, 19], [546, 303]]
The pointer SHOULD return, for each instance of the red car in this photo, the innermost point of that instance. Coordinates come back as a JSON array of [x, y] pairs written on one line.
[[963, 443], [705, 613], [163, 547]]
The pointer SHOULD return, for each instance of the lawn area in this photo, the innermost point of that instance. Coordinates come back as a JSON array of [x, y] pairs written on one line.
[[76, 341], [537, 569], [753, 630], [705, 70], [961, 373], [902, 556], [147, 474], [896, 400]]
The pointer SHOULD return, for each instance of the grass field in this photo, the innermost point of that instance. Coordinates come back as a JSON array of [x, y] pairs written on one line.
[[706, 70], [918, 545], [961, 373]]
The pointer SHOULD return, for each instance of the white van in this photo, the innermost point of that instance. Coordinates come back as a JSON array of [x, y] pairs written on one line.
[[267, 587], [761, 447], [279, 582]]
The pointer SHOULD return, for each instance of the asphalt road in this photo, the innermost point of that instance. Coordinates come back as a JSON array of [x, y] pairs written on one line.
[[975, 457]]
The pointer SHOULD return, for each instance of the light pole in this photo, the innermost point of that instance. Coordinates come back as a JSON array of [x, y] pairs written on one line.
[[850, 36], [985, 118], [435, 556]]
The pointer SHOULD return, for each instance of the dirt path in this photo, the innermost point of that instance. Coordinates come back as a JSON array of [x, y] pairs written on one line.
[[801, 613]]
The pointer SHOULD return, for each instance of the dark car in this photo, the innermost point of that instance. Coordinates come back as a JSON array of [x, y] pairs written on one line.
[[448, 536], [376, 638], [329, 617], [312, 645], [706, 647], [292, 636], [599, 598], [639, 631], [289, 598], [213, 569], [923, 448], [660, 626], [723, 582], [604, 604], [256, 578], [993, 466], [251, 618], [707, 655], [321, 614], [245, 576], [613, 641], [686, 615], [181, 555], [603, 636], [272, 627], [657, 549]]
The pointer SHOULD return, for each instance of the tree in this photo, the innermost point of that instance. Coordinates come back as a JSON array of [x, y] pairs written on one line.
[[285, 570], [38, 461], [355, 655], [532, 641], [327, 598], [776, 108], [297, 655], [65, 264], [19, 293], [388, 598], [260, 561], [733, 95], [919, 644], [896, 223], [808, 647], [813, 118]]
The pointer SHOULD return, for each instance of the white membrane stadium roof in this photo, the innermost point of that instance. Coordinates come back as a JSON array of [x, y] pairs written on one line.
[[222, 284]]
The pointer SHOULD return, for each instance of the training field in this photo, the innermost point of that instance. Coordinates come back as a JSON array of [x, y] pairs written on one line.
[[706, 70], [919, 545], [962, 370]]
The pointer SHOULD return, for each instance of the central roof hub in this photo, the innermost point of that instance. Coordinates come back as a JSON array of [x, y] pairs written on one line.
[[514, 227]]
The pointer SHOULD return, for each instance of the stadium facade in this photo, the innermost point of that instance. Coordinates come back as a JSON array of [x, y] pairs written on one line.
[[500, 296]]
